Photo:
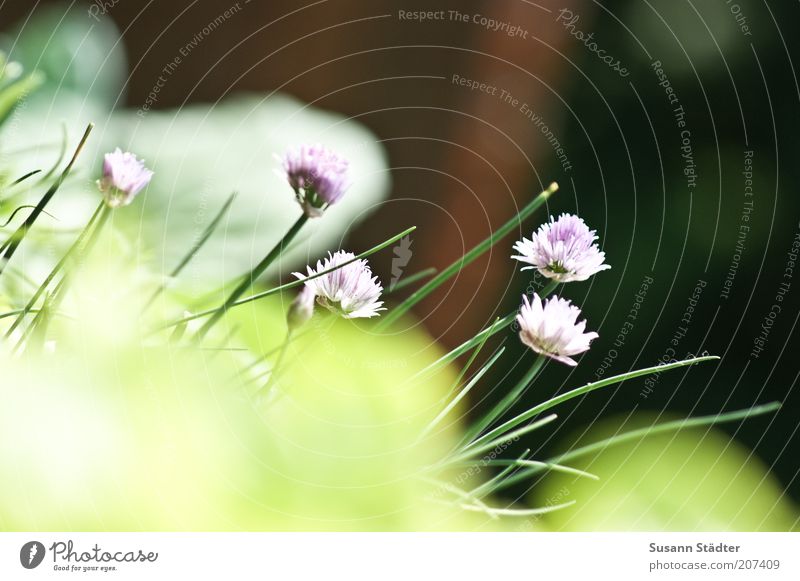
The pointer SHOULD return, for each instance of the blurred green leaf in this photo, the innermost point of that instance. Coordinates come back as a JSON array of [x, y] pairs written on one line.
[[698, 479], [13, 94]]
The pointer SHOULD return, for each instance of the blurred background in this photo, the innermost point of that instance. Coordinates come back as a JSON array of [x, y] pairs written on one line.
[[670, 127]]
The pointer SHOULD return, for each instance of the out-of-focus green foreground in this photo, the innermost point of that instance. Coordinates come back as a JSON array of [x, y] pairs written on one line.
[[106, 427]]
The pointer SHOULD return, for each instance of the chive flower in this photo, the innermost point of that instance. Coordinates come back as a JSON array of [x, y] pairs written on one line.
[[318, 176], [551, 329], [350, 291], [124, 176], [302, 308], [563, 250]]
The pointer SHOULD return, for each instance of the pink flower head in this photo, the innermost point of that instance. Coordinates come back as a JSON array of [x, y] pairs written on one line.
[[350, 291], [551, 329], [317, 175], [563, 250], [124, 176]]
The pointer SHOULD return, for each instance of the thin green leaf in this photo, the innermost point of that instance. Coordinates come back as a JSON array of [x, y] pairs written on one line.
[[19, 180], [84, 245], [461, 394], [515, 435], [62, 151], [517, 511], [493, 329], [252, 276], [12, 95], [295, 283], [539, 466], [79, 242], [667, 427], [10, 246], [18, 209], [503, 405], [411, 279], [195, 247], [469, 257], [456, 491], [489, 486], [559, 399]]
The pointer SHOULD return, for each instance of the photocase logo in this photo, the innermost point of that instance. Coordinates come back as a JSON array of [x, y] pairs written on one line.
[[31, 554], [402, 256]]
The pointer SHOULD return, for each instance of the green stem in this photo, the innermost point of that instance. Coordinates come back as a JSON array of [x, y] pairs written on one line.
[[56, 269], [498, 326], [194, 249], [589, 387], [641, 433], [248, 281], [295, 283], [511, 437], [10, 246], [481, 372], [469, 257], [411, 279], [489, 485], [504, 404], [85, 245], [676, 425]]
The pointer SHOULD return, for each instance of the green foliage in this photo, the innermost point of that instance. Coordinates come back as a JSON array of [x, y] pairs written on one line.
[[692, 480], [12, 95]]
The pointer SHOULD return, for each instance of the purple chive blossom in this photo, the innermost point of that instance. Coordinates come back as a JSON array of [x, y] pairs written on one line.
[[350, 291], [563, 250], [317, 175], [551, 329], [124, 176]]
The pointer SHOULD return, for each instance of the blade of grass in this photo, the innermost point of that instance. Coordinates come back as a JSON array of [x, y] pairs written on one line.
[[469, 257], [11, 96], [542, 466], [261, 359], [664, 428], [503, 405], [10, 246], [518, 511], [61, 153], [84, 246], [501, 324], [20, 208], [19, 180], [251, 277], [488, 486], [409, 280], [466, 368], [456, 491], [293, 284], [195, 248], [464, 391], [515, 435], [56, 269], [16, 312], [676, 425], [559, 399]]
